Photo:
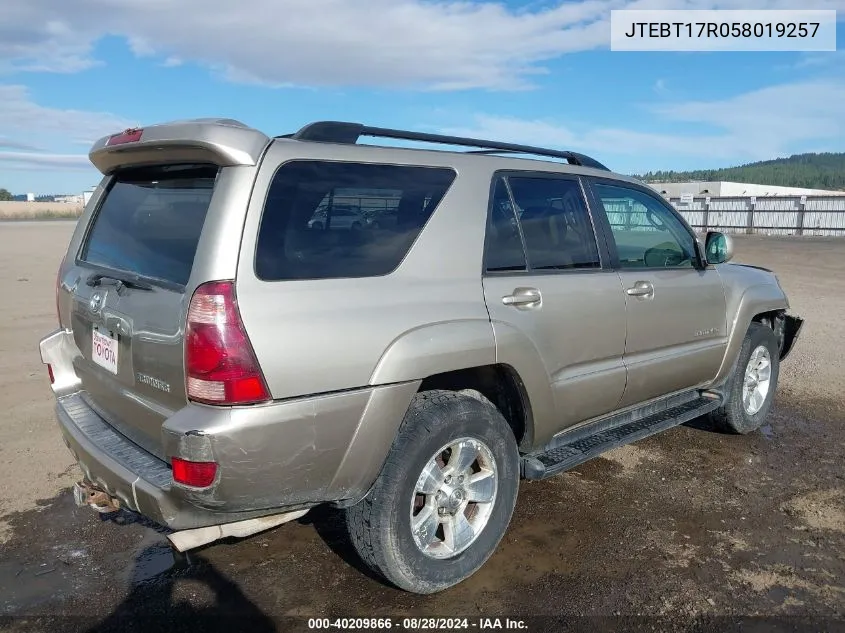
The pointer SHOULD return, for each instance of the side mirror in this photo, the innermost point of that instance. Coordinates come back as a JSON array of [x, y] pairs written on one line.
[[718, 247]]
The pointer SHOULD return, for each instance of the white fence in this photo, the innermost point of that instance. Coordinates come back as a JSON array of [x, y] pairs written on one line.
[[781, 215]]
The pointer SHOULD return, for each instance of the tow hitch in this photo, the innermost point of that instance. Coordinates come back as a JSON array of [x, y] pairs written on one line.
[[86, 494]]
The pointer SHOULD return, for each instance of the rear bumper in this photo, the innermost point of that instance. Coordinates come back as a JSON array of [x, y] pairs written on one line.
[[284, 456], [141, 482]]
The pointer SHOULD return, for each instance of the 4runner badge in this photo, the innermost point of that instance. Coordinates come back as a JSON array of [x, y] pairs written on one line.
[[155, 383]]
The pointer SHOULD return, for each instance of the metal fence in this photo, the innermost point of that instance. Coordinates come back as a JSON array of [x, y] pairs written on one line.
[[781, 215]]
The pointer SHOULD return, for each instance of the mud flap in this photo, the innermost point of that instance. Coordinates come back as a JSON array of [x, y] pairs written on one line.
[[791, 329]]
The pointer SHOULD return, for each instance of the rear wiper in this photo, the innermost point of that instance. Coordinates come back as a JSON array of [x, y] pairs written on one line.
[[121, 280]]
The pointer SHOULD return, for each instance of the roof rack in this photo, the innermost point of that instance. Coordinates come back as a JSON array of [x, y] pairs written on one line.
[[349, 133]]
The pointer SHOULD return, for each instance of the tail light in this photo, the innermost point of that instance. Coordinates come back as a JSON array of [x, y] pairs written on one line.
[[131, 135], [196, 474], [220, 364]]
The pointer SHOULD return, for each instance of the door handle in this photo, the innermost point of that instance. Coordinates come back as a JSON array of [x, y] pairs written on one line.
[[523, 297], [641, 289]]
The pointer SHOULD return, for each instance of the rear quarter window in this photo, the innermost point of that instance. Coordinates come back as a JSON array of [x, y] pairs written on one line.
[[324, 220], [150, 222]]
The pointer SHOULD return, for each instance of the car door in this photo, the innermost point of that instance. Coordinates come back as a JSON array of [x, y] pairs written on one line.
[[557, 309], [676, 316]]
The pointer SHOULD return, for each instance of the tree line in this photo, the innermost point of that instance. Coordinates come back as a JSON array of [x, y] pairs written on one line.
[[813, 171]]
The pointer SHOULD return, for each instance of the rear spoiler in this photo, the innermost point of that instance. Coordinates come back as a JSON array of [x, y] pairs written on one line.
[[223, 142]]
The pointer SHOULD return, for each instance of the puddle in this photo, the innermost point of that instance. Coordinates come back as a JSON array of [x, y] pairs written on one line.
[[767, 432], [26, 585], [151, 563]]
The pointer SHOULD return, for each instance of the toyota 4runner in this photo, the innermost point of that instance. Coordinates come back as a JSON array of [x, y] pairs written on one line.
[[227, 357]]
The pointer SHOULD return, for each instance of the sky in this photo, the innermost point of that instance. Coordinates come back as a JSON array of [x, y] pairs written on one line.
[[534, 72]]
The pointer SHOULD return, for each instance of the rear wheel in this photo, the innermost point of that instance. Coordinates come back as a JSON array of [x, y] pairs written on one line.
[[751, 388], [445, 496]]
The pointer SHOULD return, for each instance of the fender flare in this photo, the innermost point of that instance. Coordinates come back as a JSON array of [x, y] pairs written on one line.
[[755, 300], [435, 348]]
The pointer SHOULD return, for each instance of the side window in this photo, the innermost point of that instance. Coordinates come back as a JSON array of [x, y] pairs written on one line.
[[504, 245], [293, 240], [647, 234], [555, 223]]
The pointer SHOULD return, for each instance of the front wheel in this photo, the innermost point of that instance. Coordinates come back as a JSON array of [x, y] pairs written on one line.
[[445, 496], [751, 388]]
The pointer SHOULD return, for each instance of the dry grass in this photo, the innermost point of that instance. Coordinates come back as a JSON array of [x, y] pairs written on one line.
[[70, 214]]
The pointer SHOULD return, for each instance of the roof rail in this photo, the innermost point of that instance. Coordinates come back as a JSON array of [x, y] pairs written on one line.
[[349, 133]]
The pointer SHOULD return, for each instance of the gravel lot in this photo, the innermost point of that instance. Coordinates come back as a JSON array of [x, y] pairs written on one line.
[[674, 532]]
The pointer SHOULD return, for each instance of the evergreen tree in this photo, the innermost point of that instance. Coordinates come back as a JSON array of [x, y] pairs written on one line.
[[812, 171]]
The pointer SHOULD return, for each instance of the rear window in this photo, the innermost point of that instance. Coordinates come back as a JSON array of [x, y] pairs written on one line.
[[327, 220], [150, 221]]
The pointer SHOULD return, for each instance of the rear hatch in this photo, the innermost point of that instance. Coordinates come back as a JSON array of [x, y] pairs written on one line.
[[129, 304]]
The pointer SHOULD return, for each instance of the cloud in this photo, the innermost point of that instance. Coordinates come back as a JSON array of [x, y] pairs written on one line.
[[19, 114], [769, 121], [7, 143], [757, 125], [431, 44], [26, 127], [821, 61], [32, 160], [21, 117]]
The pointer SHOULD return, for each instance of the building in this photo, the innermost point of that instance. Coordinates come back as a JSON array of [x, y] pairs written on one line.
[[72, 199], [722, 189], [86, 195]]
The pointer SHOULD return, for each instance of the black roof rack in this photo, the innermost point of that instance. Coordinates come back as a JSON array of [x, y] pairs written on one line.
[[343, 132]]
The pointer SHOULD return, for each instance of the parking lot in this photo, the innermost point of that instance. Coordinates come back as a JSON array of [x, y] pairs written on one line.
[[686, 525]]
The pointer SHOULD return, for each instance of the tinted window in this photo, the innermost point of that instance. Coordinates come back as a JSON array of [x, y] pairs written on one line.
[[555, 223], [647, 234], [150, 221], [504, 243], [381, 211]]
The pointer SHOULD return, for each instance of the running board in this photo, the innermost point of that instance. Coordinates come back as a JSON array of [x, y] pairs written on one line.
[[569, 452]]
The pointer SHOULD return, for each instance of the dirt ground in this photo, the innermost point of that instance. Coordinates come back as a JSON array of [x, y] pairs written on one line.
[[690, 529]]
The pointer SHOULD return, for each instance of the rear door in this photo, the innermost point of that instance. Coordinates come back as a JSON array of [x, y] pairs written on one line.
[[129, 299], [676, 323], [552, 298]]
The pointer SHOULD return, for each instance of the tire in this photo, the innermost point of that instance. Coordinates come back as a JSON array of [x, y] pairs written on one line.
[[735, 416], [380, 526]]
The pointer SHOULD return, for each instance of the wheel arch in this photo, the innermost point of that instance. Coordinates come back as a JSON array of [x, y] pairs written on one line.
[[498, 383], [761, 303]]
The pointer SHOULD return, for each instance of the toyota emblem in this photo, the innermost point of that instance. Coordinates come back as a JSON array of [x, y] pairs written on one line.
[[97, 301]]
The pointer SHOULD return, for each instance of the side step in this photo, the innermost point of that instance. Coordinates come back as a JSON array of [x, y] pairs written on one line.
[[569, 452]]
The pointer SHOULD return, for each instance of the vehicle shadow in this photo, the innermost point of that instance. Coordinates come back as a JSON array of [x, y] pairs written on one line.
[[704, 423], [330, 525], [124, 517], [189, 596]]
